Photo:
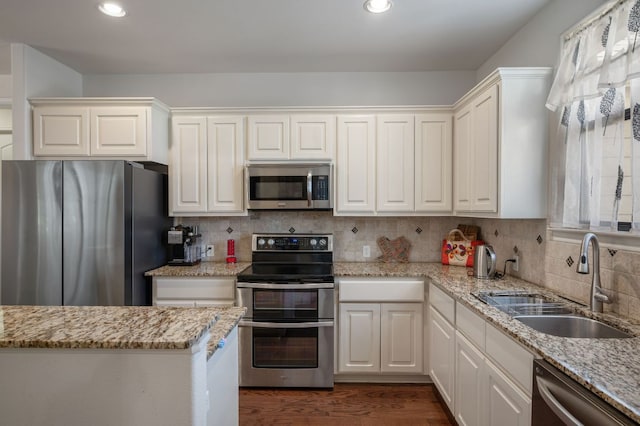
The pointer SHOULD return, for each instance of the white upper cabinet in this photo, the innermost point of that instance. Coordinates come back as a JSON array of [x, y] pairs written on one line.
[[188, 166], [313, 137], [500, 146], [477, 153], [291, 137], [395, 163], [268, 137], [433, 162], [109, 128], [355, 164], [225, 164], [408, 153], [207, 162]]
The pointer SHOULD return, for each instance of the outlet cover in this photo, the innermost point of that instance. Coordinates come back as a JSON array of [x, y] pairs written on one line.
[[366, 251]]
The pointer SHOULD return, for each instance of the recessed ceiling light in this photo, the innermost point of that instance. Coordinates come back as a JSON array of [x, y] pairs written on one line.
[[377, 6], [112, 9]]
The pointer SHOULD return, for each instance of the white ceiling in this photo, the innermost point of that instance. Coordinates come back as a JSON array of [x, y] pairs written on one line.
[[184, 36]]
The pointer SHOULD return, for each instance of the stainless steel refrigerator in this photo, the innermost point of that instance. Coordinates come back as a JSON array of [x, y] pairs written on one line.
[[80, 232]]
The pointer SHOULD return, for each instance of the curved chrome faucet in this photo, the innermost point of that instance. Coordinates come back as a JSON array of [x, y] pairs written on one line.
[[597, 296]]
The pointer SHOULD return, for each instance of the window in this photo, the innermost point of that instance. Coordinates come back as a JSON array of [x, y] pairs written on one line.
[[595, 158]]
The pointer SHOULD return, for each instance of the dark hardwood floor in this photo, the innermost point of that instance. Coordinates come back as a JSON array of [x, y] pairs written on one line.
[[348, 404]]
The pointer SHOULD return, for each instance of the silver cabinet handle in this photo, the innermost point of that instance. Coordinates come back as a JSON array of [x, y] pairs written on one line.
[[555, 405], [313, 324]]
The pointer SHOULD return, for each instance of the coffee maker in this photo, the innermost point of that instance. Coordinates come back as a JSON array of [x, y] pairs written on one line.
[[183, 247]]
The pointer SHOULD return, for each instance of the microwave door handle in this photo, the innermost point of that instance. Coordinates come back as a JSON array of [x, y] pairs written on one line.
[[309, 188]]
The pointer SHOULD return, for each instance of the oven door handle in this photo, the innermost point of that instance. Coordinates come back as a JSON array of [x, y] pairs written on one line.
[[312, 324], [298, 286]]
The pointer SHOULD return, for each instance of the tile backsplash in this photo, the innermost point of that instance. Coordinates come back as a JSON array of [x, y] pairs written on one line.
[[619, 274], [542, 261], [352, 233]]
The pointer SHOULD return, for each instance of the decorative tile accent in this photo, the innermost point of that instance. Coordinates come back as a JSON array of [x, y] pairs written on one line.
[[612, 252], [515, 249], [354, 230], [292, 229], [496, 233], [570, 261], [539, 239], [418, 230], [229, 230]]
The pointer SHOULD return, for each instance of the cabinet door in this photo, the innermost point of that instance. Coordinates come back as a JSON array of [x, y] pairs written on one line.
[[188, 165], [442, 356], [268, 137], [359, 348], [433, 163], [470, 382], [313, 137], [463, 160], [395, 163], [355, 164], [225, 164], [119, 131], [485, 148], [401, 338], [505, 403], [61, 131]]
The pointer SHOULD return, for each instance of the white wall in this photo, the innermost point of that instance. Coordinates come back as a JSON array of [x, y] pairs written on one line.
[[35, 74], [538, 42], [287, 89]]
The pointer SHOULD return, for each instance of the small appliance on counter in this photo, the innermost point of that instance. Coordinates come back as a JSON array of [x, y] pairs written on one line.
[[231, 251], [484, 262], [183, 250]]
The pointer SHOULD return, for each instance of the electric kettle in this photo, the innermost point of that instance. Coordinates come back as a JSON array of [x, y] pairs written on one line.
[[484, 262]]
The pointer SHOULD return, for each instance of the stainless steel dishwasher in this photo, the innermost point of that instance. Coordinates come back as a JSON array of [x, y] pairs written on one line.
[[559, 400]]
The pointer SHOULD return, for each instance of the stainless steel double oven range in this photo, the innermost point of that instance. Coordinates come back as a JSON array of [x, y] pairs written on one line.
[[286, 336]]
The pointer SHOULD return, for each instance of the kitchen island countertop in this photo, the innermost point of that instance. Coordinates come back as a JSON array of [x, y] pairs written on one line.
[[114, 327]]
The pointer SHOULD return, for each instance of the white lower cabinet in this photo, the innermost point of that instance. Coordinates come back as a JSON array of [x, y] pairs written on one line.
[[222, 383], [483, 375], [442, 337], [380, 326], [380, 337], [470, 383], [506, 403], [359, 337], [193, 291]]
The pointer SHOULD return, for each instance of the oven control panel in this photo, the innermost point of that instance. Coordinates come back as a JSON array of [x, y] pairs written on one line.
[[283, 242]]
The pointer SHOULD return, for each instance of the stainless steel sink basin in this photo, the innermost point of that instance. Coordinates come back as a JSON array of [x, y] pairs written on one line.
[[517, 302], [570, 326]]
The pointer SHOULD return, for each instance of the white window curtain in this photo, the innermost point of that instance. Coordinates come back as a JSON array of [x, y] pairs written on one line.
[[599, 62]]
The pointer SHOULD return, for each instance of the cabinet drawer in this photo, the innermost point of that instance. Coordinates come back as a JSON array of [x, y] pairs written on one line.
[[194, 288], [471, 325], [442, 302], [377, 290], [513, 358]]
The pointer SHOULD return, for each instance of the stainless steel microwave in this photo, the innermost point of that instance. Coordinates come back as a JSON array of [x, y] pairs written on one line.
[[289, 186]]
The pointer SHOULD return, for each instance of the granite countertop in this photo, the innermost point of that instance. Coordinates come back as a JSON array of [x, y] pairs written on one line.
[[608, 367], [114, 327], [202, 269]]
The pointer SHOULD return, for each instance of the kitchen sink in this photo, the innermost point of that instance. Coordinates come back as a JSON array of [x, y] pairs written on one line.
[[570, 326], [517, 302]]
